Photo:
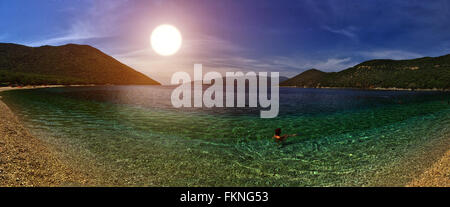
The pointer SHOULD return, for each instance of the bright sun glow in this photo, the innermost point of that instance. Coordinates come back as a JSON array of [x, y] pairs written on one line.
[[166, 40]]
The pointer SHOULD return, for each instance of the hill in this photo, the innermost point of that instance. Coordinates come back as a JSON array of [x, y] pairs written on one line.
[[424, 73], [67, 64]]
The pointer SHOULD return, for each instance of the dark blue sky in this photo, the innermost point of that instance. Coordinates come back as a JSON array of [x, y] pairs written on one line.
[[258, 35]]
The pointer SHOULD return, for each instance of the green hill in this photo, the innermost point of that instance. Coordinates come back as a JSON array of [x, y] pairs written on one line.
[[424, 73], [67, 64]]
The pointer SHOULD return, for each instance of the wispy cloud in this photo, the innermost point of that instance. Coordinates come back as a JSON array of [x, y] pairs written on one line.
[[302, 63], [94, 23], [347, 31], [76, 35], [390, 54], [210, 45], [332, 64]]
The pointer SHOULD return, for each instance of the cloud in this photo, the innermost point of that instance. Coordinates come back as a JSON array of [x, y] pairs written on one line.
[[328, 64], [211, 45], [390, 54], [75, 36], [332, 64], [347, 32], [94, 23]]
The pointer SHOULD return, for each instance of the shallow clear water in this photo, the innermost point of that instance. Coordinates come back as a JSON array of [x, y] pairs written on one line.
[[347, 137]]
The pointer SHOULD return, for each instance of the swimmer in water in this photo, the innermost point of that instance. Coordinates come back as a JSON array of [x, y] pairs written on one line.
[[280, 138]]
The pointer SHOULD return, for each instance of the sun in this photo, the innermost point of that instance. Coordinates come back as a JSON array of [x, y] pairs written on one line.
[[166, 40]]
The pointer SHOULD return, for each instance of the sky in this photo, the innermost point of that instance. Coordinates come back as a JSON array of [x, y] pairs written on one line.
[[288, 36]]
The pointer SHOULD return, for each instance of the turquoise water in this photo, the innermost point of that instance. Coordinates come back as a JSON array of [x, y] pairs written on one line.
[[347, 137]]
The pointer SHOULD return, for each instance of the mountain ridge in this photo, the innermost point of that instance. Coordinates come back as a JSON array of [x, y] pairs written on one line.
[[65, 64], [419, 73]]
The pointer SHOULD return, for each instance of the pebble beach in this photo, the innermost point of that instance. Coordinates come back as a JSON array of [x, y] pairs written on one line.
[[27, 161]]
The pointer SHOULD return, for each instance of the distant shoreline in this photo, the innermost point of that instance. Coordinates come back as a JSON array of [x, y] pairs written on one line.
[[8, 88], [375, 89]]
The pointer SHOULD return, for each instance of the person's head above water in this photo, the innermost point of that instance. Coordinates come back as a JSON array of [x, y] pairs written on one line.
[[278, 131]]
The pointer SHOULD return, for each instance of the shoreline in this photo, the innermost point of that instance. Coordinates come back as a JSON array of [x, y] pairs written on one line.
[[376, 89], [28, 161], [8, 88], [438, 175]]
